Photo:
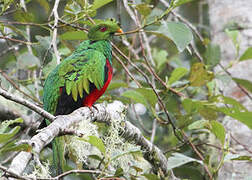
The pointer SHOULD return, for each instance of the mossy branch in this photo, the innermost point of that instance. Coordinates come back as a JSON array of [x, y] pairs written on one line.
[[103, 114]]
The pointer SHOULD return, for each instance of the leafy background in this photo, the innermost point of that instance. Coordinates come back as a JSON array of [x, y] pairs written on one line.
[[176, 86]]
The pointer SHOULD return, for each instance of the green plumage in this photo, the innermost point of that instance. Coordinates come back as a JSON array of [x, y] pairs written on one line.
[[87, 62], [76, 73]]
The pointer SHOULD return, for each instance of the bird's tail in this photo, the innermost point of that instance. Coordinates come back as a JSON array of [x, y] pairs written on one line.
[[58, 148], [59, 155]]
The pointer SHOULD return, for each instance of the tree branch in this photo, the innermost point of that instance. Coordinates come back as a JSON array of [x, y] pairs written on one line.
[[26, 103], [104, 115], [54, 35]]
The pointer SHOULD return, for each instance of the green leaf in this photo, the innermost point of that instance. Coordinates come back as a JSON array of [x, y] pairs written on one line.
[[178, 32], [233, 34], [208, 113], [22, 16], [98, 4], [190, 105], [4, 137], [230, 156], [116, 85], [97, 142], [136, 96], [245, 83], [237, 110], [137, 169], [5, 124], [74, 35], [144, 9], [178, 159], [156, 12], [177, 74], [160, 57], [149, 95], [201, 124], [199, 76], [177, 3], [243, 158], [119, 172], [212, 55], [73, 8], [244, 117], [5, 5], [228, 100], [172, 103], [96, 157], [218, 130], [45, 5], [246, 55], [151, 176], [20, 147], [130, 151]]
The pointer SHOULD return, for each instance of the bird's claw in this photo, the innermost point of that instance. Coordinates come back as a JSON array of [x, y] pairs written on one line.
[[95, 108], [92, 111]]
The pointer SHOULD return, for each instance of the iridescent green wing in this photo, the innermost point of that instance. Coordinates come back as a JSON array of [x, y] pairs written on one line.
[[53, 82], [51, 91], [82, 69]]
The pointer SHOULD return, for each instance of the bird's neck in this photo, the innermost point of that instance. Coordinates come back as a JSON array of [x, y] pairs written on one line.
[[103, 46]]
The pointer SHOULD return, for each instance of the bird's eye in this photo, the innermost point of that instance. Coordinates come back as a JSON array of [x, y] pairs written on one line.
[[102, 29]]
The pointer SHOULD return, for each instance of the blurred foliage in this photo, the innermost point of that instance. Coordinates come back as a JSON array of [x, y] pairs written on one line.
[[198, 112]]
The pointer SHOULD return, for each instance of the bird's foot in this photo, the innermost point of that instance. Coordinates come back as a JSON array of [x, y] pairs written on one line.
[[95, 108], [92, 112]]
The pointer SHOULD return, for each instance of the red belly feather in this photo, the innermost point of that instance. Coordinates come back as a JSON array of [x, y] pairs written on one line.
[[95, 94]]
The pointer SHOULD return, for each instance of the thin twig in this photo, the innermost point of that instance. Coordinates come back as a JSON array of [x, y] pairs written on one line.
[[195, 52], [163, 83], [72, 25], [140, 120], [12, 174], [15, 86], [198, 154], [54, 36], [217, 147], [153, 132], [184, 20], [74, 171], [126, 70], [23, 23], [14, 47], [243, 145], [148, 81], [22, 2], [139, 70], [238, 85], [17, 40], [26, 103]]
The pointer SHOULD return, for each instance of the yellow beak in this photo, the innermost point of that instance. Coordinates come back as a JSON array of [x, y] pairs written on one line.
[[120, 30]]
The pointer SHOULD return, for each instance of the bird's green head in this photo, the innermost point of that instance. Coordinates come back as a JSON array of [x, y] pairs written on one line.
[[104, 30]]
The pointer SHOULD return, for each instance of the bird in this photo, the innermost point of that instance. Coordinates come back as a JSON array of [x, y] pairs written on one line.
[[80, 79]]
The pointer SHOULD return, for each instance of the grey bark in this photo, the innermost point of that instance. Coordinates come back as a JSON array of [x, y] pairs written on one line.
[[6, 113], [104, 114], [222, 12]]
